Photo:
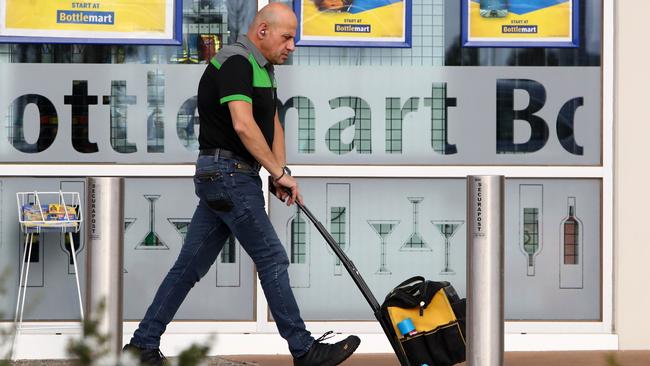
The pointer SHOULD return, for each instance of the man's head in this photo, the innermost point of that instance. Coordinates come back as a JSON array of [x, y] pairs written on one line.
[[273, 31]]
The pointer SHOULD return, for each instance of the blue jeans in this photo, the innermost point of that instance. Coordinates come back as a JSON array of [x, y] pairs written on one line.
[[230, 200]]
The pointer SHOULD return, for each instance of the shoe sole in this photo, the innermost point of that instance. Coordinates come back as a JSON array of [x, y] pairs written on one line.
[[353, 348]]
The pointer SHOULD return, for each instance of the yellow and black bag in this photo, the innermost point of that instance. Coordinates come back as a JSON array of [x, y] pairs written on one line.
[[438, 314]]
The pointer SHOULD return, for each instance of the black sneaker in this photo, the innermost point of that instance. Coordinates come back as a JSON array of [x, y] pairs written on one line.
[[325, 354], [149, 357]]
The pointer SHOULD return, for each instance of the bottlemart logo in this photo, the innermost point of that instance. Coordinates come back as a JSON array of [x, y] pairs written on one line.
[[85, 17]]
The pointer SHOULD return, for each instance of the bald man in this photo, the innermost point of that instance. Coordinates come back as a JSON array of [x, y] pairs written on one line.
[[239, 133]]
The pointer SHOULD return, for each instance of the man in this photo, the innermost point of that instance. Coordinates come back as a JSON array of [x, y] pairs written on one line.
[[239, 132]]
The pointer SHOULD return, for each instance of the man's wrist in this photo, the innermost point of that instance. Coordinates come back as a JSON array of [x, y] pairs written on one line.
[[285, 171]]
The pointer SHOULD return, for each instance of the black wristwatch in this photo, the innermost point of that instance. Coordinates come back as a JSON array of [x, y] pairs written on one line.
[[285, 171]]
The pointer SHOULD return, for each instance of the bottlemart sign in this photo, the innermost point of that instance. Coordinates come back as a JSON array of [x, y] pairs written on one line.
[[96, 21], [332, 115], [520, 23]]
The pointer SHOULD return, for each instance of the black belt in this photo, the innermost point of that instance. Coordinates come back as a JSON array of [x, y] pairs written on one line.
[[252, 164]]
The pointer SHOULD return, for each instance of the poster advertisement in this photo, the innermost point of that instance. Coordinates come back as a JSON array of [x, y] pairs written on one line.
[[354, 23], [520, 23], [95, 21]]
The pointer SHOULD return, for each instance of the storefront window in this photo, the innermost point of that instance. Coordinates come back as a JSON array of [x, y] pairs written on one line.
[[431, 105]]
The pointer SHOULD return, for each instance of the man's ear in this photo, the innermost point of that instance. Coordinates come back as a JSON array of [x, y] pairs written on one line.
[[262, 30]]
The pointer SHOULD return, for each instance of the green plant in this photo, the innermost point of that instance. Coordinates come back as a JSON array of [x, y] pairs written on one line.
[[94, 348], [193, 356], [6, 335], [611, 360]]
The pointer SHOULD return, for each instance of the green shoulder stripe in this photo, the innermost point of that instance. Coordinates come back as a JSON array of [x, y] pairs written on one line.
[[261, 77], [214, 62]]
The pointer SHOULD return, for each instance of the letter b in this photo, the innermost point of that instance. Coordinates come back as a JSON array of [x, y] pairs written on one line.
[[506, 115]]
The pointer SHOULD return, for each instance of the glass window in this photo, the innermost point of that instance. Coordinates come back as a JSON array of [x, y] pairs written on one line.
[[418, 229], [207, 26], [156, 222]]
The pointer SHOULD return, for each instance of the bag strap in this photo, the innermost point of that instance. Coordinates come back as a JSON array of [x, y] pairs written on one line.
[[410, 281], [414, 292]]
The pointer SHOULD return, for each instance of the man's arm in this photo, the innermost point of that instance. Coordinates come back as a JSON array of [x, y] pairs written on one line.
[[278, 141], [253, 139], [279, 153], [249, 133]]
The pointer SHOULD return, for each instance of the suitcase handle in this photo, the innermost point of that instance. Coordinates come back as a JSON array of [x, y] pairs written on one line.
[[356, 277], [347, 263]]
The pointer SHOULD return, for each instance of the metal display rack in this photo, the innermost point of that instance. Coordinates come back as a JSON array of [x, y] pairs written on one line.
[[46, 212], [58, 214]]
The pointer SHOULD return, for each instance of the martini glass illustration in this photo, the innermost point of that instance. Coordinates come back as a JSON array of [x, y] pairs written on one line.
[[383, 228], [151, 240], [415, 241], [181, 225], [447, 228], [128, 221]]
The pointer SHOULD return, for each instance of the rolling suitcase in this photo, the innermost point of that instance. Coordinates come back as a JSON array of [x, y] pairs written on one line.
[[441, 340]]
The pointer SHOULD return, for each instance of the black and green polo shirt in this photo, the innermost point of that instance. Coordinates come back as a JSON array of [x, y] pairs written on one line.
[[237, 72]]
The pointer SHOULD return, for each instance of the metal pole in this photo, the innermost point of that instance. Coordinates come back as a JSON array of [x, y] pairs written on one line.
[[485, 270], [105, 256]]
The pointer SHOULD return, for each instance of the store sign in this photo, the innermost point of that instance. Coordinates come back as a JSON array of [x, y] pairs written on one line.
[[520, 23], [332, 115]]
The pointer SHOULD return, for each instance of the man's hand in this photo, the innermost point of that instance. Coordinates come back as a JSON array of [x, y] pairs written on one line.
[[283, 186], [277, 190]]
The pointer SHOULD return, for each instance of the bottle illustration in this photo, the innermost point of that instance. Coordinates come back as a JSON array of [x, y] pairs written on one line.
[[338, 217], [531, 205], [571, 251], [493, 8], [298, 250]]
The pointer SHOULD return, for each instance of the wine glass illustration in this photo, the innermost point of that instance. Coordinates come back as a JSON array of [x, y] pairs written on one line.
[[383, 228], [447, 228]]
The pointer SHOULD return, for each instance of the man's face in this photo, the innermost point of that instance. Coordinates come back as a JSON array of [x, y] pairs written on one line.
[[279, 41]]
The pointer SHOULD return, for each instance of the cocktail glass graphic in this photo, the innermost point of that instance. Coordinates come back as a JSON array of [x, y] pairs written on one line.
[[383, 228], [152, 240], [447, 228], [415, 241]]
